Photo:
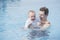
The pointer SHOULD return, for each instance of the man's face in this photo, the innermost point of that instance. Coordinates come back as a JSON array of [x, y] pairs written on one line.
[[32, 15], [42, 15]]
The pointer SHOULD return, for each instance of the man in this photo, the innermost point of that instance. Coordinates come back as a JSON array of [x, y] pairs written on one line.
[[44, 23]]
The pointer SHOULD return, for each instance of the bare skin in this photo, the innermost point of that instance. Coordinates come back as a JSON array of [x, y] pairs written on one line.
[[44, 23]]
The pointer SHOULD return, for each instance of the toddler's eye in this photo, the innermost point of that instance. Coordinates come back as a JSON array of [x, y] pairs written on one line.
[[32, 16]]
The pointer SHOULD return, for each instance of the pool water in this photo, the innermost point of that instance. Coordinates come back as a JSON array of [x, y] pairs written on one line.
[[14, 13]]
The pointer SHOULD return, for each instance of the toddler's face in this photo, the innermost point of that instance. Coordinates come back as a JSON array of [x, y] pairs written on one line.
[[32, 15]]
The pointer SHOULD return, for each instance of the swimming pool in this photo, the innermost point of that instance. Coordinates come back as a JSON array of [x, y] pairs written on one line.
[[13, 15]]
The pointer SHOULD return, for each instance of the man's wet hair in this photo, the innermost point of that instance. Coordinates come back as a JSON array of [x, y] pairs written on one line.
[[45, 10]]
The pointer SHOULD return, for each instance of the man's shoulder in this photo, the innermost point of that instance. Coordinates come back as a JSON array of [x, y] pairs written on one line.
[[48, 22]]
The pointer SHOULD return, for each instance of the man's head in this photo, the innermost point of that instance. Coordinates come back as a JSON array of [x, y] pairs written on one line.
[[31, 14], [43, 13]]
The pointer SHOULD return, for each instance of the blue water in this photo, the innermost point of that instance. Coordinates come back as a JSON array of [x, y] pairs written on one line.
[[13, 14]]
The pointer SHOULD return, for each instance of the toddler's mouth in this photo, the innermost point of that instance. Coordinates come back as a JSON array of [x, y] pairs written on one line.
[[41, 18], [33, 19]]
